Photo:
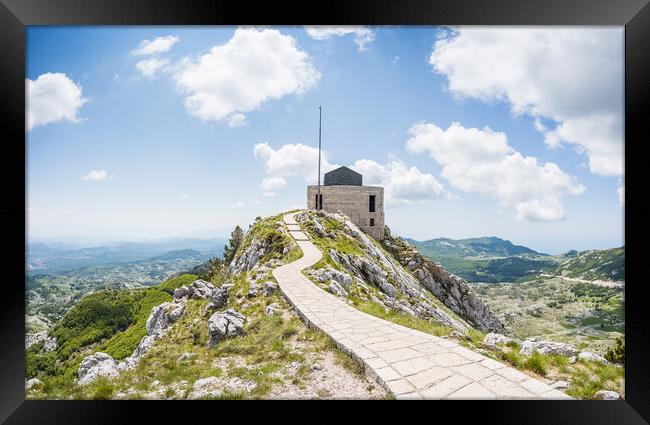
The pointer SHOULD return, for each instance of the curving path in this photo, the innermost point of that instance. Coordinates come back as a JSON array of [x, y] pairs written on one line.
[[408, 363]]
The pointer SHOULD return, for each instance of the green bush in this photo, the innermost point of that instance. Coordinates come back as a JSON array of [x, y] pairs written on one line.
[[36, 363], [616, 354], [536, 363], [512, 357]]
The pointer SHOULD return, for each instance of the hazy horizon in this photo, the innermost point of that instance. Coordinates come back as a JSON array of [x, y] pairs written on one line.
[[85, 242]]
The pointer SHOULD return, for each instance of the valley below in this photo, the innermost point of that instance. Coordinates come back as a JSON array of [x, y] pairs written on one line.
[[583, 314]]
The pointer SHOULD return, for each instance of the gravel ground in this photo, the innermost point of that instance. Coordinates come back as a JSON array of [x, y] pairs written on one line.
[[331, 381]]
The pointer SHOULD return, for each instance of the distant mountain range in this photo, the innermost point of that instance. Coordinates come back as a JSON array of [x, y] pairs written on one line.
[[597, 264], [489, 246], [46, 258], [492, 259]]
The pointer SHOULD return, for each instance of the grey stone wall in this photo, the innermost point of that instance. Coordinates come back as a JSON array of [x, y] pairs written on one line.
[[353, 201]]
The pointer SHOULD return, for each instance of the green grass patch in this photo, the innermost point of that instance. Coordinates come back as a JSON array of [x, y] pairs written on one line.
[[592, 377], [536, 363], [512, 357], [170, 285], [428, 326]]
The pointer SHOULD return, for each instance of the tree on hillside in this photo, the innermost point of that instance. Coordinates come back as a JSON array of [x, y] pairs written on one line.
[[229, 250], [213, 270]]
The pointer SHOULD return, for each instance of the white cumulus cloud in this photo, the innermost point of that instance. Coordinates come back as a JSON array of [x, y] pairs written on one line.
[[482, 161], [293, 160], [237, 120], [273, 183], [402, 185], [621, 194], [156, 46], [570, 76], [253, 67], [95, 175], [51, 98], [362, 35], [149, 67]]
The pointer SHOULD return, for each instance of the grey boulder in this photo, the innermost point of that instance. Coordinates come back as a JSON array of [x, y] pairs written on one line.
[[591, 357], [95, 366], [162, 316], [33, 383], [493, 339], [560, 385], [196, 290], [528, 347], [606, 395], [269, 288], [223, 325], [336, 289]]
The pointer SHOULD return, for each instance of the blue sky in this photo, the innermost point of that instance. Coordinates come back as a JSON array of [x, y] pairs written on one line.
[[181, 144]]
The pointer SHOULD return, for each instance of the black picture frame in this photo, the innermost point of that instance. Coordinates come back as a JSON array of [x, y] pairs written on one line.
[[15, 15]]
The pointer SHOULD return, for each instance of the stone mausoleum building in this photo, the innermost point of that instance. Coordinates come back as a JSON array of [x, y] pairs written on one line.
[[342, 190]]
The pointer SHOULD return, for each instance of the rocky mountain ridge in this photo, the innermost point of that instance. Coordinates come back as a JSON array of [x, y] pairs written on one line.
[[405, 278]]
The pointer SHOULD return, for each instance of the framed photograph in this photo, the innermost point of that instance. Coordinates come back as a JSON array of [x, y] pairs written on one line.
[[422, 201]]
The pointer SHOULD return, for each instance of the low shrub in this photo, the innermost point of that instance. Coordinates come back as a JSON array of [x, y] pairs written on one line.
[[536, 363], [616, 354]]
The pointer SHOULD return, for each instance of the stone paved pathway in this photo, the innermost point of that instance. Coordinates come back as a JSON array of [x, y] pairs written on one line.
[[408, 363]]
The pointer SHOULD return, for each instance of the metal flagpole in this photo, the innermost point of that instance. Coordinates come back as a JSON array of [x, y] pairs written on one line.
[[318, 198]]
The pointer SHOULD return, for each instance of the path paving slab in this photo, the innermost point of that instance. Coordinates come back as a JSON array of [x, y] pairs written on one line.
[[410, 364], [298, 235]]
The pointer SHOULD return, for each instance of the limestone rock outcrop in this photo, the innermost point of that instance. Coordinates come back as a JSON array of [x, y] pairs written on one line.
[[159, 320], [249, 258], [529, 346], [493, 339], [197, 289], [200, 289], [162, 316], [224, 325], [591, 357], [31, 383], [452, 290], [95, 366], [337, 290], [49, 342], [606, 395], [328, 274]]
